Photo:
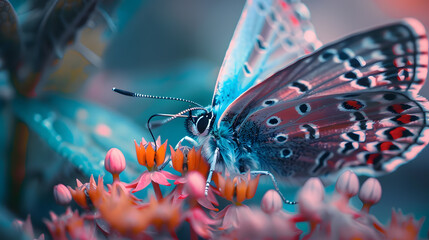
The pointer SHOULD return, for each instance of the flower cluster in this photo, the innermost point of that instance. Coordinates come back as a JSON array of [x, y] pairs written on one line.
[[114, 211]]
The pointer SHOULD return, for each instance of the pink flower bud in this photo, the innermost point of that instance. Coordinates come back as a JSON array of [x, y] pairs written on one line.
[[271, 202], [347, 184], [195, 184], [114, 161], [310, 199], [62, 194], [370, 193]]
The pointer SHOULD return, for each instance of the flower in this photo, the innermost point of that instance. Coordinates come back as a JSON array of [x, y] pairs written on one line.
[[62, 194], [159, 177], [255, 224], [186, 159], [153, 160], [403, 227], [122, 214], [370, 193], [115, 162], [347, 184], [166, 216], [27, 228], [271, 202], [148, 156], [80, 193], [237, 189], [70, 224], [193, 184], [310, 199], [200, 222], [193, 167]]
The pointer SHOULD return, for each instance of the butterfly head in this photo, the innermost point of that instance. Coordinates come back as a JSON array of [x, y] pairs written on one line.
[[200, 124]]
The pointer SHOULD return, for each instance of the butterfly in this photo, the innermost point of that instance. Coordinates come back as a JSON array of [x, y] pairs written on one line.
[[285, 106]]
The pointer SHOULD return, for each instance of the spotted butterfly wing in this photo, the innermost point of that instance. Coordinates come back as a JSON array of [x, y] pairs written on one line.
[[350, 104], [270, 34]]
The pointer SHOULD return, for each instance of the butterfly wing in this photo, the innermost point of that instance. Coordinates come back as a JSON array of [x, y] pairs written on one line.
[[372, 132], [352, 103], [391, 57], [269, 35]]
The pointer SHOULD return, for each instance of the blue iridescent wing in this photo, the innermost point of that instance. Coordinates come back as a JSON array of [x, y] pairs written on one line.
[[352, 103], [269, 35]]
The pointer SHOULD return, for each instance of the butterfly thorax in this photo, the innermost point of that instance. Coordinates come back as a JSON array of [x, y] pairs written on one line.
[[233, 154]]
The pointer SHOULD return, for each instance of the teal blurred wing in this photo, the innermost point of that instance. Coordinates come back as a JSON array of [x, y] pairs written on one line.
[[270, 35]]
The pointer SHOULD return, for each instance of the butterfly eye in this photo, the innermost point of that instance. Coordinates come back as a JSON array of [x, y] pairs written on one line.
[[202, 123]]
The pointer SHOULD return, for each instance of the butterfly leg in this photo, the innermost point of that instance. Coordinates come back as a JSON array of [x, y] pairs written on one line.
[[186, 138], [276, 186], [212, 168], [189, 139]]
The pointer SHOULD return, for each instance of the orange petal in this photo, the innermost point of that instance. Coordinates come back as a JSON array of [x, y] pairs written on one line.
[[218, 180], [160, 154], [177, 159], [191, 159], [198, 159], [204, 167], [241, 190], [150, 156], [252, 186], [228, 190], [79, 197], [78, 183], [92, 183], [141, 153]]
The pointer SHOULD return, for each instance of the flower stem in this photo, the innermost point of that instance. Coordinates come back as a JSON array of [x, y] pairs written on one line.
[[157, 190], [115, 177], [194, 235]]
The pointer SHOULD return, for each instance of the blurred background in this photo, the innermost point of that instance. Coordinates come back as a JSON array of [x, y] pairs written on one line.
[[175, 48], [192, 36]]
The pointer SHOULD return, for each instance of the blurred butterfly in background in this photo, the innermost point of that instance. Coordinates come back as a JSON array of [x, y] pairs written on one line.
[[351, 104]]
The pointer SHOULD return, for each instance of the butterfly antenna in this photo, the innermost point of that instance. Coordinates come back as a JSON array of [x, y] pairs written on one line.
[[172, 117], [133, 94]]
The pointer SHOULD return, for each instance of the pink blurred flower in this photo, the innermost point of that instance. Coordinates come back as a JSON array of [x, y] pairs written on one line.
[[62, 194], [193, 184], [370, 193], [229, 216], [70, 224], [403, 227], [255, 224], [27, 228], [347, 184], [200, 222], [271, 202], [338, 225], [310, 200]]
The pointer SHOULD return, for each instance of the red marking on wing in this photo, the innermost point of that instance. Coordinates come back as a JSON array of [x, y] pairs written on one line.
[[372, 157], [404, 118], [385, 146], [398, 108], [355, 104], [397, 132]]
